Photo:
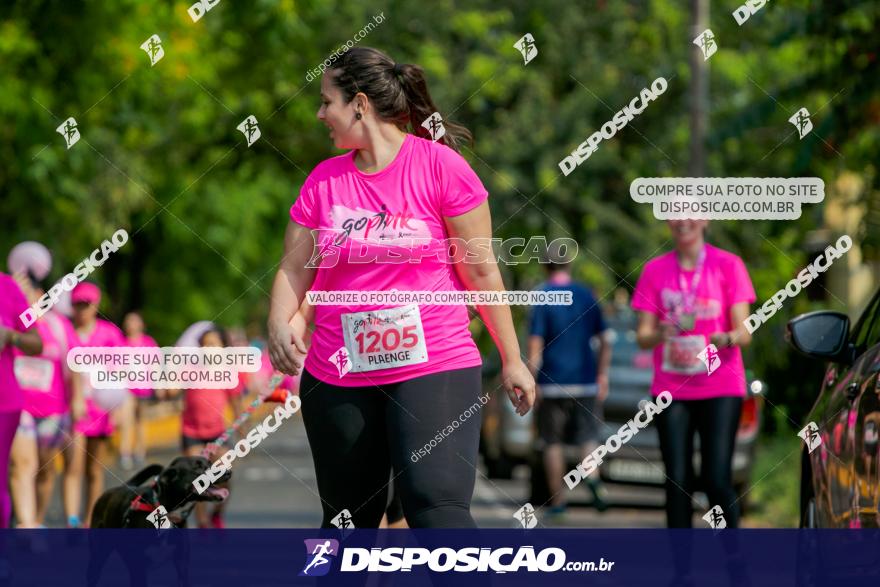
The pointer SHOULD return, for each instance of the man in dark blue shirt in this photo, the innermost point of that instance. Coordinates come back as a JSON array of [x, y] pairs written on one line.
[[572, 384]]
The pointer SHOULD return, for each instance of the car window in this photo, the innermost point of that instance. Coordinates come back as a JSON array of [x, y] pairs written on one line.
[[867, 331]]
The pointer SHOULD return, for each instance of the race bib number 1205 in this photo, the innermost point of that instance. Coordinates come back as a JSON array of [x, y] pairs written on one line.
[[384, 339]]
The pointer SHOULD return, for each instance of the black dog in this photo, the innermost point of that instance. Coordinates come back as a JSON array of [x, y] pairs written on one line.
[[130, 506], [172, 488]]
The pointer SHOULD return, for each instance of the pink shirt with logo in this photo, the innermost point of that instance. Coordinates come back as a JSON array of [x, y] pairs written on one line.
[[724, 282], [12, 304], [45, 379], [97, 422], [395, 213], [145, 341]]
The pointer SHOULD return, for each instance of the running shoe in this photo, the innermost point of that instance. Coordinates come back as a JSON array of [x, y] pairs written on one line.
[[217, 521], [74, 522], [599, 493], [126, 462]]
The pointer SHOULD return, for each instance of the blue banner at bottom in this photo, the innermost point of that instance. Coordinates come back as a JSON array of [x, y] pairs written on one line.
[[265, 558]]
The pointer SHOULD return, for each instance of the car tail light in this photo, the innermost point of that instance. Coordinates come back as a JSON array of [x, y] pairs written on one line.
[[748, 418]]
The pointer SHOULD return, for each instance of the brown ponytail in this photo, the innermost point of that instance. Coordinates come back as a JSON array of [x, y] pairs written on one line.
[[399, 94]]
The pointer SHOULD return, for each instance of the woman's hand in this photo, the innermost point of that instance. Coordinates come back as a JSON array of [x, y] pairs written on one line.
[[520, 386], [284, 343]]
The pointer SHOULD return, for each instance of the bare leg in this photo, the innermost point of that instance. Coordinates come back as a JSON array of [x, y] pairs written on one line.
[[126, 419], [45, 480], [23, 472], [74, 472], [553, 465], [140, 431], [96, 463], [203, 520]]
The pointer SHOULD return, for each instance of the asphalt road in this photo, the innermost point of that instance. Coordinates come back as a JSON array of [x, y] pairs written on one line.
[[274, 487]]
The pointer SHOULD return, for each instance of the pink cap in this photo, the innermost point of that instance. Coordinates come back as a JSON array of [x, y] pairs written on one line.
[[86, 292]]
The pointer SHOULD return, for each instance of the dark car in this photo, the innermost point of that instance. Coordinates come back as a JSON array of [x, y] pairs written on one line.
[[840, 482]]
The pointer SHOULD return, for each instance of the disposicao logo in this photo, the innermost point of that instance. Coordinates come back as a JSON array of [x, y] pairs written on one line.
[[319, 553]]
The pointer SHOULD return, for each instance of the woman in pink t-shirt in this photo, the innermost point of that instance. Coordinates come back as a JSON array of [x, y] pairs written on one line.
[[52, 399], [92, 432], [687, 299], [381, 378], [132, 441], [13, 334]]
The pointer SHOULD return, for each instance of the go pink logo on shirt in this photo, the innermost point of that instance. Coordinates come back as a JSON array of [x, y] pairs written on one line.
[[383, 227]]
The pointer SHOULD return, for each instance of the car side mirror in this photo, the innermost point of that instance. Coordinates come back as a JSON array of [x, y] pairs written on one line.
[[821, 335]]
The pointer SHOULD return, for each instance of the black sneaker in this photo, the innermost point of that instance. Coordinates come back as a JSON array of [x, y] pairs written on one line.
[[598, 491]]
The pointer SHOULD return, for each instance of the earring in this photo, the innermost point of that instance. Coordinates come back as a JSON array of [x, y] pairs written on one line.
[[358, 116]]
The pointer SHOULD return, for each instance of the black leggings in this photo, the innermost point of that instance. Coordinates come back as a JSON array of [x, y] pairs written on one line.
[[357, 434], [716, 421]]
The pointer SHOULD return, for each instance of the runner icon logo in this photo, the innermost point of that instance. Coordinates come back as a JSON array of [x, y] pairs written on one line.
[[153, 48], [343, 520], [342, 361], [715, 518], [526, 516], [434, 124], [159, 518], [319, 554], [801, 121], [249, 129], [69, 130], [526, 46], [811, 437], [706, 43], [710, 358]]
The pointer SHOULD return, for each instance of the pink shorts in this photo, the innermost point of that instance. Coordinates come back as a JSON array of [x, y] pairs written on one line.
[[96, 423]]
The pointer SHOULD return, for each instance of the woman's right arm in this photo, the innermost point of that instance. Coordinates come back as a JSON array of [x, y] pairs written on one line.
[[650, 332], [288, 290]]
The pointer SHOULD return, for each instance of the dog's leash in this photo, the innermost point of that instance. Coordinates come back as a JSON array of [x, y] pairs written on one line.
[[261, 399]]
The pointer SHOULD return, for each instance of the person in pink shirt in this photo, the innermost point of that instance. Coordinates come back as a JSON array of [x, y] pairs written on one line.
[[687, 299], [13, 335], [52, 399], [132, 444], [92, 433], [380, 379], [204, 420]]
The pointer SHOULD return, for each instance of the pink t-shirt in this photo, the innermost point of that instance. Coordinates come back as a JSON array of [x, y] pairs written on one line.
[[97, 422], [12, 304], [397, 211], [44, 379], [143, 342], [204, 411], [723, 283]]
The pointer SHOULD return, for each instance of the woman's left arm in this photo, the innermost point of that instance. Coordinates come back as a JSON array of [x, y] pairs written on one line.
[[739, 336], [481, 273]]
